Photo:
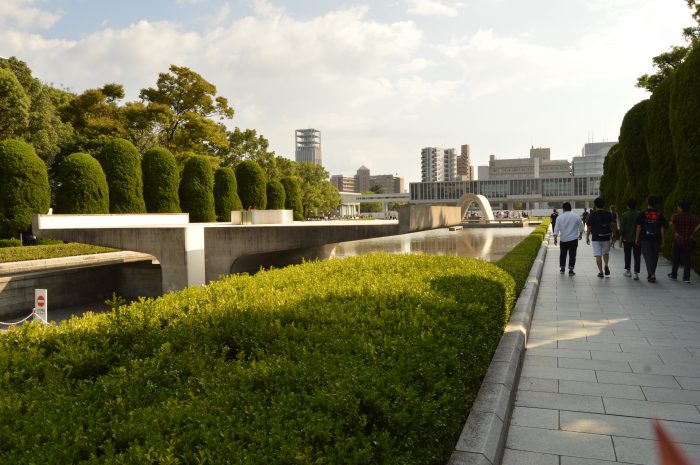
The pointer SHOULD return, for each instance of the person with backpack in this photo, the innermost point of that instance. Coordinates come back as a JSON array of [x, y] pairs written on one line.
[[600, 226], [684, 225], [628, 236], [554, 217], [650, 235]]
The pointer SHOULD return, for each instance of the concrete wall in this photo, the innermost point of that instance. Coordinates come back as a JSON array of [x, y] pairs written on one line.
[[414, 218], [78, 285]]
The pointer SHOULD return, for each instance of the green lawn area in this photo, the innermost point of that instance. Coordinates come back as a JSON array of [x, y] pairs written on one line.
[[41, 252]]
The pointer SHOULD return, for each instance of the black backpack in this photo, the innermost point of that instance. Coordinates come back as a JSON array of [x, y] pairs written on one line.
[[603, 227], [650, 225]]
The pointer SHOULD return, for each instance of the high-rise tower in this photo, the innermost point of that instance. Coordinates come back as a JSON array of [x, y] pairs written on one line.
[[308, 146]]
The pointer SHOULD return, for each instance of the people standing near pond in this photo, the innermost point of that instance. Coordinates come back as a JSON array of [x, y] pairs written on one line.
[[553, 217], [600, 226], [615, 233], [684, 225], [569, 228], [650, 235], [628, 236]]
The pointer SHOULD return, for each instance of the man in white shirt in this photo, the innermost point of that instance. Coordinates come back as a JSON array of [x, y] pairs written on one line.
[[569, 228]]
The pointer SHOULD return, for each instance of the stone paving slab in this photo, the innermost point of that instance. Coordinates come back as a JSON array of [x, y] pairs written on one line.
[[626, 351]]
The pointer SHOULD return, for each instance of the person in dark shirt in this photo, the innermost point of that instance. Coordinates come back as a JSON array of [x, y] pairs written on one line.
[[684, 225], [628, 236], [600, 225], [554, 217], [650, 235]]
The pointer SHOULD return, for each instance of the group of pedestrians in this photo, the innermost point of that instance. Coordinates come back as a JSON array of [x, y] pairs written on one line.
[[640, 234]]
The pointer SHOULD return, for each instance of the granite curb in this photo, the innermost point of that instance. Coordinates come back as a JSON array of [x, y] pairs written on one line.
[[483, 437]]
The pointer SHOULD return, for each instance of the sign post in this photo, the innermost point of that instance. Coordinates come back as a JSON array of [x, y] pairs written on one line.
[[41, 304]]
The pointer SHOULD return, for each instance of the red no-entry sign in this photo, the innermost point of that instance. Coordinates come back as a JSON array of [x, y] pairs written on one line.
[[40, 301], [41, 304]]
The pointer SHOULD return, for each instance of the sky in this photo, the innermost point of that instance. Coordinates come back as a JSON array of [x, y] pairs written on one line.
[[379, 79]]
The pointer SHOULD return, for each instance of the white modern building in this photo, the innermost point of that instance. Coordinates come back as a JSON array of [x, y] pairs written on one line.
[[590, 163], [308, 146]]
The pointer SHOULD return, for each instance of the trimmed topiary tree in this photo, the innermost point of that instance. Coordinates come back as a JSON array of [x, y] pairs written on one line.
[[24, 187], [197, 190], [252, 188], [275, 195], [633, 145], [292, 200], [82, 186], [161, 179], [122, 166], [607, 180], [226, 197]]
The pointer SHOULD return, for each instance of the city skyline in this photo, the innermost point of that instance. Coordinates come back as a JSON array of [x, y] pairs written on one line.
[[381, 81]]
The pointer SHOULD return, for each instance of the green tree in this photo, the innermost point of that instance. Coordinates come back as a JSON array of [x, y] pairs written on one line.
[[95, 116], [248, 145], [662, 160], [197, 190], [24, 189], [161, 178], [187, 102], [292, 197], [14, 106], [226, 197], [314, 193], [275, 195], [251, 185], [634, 149], [122, 165], [82, 186], [376, 189]]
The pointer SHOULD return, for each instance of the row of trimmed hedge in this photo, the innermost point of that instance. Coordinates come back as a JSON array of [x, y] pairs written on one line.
[[42, 252], [369, 359]]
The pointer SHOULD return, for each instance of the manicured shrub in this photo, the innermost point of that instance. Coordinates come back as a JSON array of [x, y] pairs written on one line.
[[275, 195], [122, 166], [318, 363], [251, 185], [518, 262], [623, 189], [662, 161], [82, 186], [24, 187], [225, 194], [161, 179], [10, 243], [197, 190], [634, 149], [292, 197], [45, 250]]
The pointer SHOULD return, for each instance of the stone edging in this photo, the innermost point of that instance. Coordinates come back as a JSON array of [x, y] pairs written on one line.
[[483, 437]]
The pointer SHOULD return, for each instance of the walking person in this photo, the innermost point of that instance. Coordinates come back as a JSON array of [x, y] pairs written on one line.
[[600, 225], [570, 228], [628, 236], [584, 217], [684, 225], [616, 234], [650, 235], [553, 217]]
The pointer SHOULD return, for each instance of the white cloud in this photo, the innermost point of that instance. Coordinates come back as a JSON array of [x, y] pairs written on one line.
[[23, 15], [430, 8]]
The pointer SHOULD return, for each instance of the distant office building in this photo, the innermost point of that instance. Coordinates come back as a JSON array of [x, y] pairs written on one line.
[[538, 165], [438, 164], [308, 146], [344, 183], [390, 183], [465, 169], [590, 163], [362, 179]]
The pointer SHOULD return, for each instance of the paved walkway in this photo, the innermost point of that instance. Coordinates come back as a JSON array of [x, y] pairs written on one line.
[[604, 357]]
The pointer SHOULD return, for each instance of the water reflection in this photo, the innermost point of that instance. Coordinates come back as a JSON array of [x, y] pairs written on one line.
[[487, 244]]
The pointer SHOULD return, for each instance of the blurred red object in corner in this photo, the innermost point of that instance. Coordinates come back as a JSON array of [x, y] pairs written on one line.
[[669, 452]]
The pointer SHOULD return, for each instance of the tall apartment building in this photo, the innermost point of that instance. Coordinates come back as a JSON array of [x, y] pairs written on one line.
[[465, 169], [344, 183], [438, 164], [308, 146]]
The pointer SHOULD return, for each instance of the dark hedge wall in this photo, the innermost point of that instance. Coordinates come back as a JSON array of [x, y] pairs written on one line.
[[662, 161], [122, 166], [24, 187], [292, 199], [161, 178], [197, 190], [634, 150], [82, 186]]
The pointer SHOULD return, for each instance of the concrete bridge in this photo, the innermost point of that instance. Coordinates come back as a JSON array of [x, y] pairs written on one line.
[[198, 253]]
